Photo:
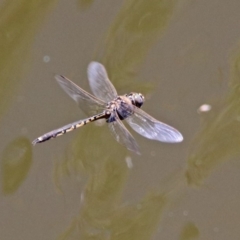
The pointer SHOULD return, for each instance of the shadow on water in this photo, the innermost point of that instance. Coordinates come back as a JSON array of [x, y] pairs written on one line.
[[219, 137]]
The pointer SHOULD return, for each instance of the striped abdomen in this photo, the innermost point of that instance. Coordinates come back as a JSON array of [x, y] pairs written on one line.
[[68, 128]]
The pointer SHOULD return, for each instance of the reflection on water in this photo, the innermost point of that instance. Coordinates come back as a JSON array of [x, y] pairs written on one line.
[[85, 3], [189, 232], [18, 26], [135, 29], [219, 137], [16, 161]]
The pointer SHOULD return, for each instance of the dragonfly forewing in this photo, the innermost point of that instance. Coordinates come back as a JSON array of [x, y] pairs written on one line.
[[151, 128], [99, 82], [86, 101]]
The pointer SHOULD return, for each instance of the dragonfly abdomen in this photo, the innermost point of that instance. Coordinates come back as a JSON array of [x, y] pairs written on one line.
[[68, 128]]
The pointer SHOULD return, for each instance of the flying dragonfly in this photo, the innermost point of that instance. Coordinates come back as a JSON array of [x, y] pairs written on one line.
[[107, 104]]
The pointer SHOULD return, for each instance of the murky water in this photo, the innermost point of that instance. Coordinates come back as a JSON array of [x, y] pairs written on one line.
[[84, 185]]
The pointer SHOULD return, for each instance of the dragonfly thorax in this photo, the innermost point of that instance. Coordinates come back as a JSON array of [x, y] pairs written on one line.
[[137, 99], [122, 106]]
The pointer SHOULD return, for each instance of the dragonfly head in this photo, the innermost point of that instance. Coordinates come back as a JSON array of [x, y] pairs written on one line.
[[137, 99]]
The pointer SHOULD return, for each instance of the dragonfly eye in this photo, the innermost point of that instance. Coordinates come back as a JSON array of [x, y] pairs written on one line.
[[139, 99], [136, 98]]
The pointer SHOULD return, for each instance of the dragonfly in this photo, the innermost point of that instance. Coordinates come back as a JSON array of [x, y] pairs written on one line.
[[107, 104]]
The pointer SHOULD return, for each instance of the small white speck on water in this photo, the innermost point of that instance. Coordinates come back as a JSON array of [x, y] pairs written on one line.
[[46, 59], [185, 213], [204, 108], [82, 197], [129, 162]]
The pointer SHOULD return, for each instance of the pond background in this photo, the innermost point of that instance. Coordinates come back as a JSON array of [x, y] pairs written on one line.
[[84, 185]]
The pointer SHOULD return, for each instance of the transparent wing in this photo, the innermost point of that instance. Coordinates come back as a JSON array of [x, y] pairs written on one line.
[[87, 102], [151, 128], [123, 136], [99, 82]]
